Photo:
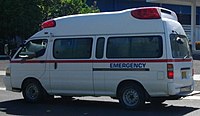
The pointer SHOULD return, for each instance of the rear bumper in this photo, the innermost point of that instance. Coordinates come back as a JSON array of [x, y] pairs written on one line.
[[180, 89]]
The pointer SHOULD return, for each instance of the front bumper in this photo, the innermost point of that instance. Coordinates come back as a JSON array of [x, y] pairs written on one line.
[[7, 83]]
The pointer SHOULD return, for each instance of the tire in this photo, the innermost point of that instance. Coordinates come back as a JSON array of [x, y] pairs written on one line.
[[32, 91], [131, 96]]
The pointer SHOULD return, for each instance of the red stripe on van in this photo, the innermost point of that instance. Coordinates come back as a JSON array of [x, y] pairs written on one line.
[[99, 61]]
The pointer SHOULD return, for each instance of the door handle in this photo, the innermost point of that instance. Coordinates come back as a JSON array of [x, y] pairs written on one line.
[[55, 65]]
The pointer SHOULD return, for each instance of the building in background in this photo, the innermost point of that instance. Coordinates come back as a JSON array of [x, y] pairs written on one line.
[[183, 12]]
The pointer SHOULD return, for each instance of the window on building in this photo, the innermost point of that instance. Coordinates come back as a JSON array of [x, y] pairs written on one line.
[[185, 19], [72, 48], [134, 47]]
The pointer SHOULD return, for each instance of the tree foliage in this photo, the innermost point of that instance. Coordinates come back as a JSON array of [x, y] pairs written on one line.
[[18, 18], [22, 17], [57, 8]]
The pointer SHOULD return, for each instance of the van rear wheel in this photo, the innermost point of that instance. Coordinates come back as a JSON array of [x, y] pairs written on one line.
[[131, 96], [32, 91]]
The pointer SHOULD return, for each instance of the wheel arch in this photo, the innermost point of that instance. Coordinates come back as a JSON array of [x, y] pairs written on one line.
[[129, 81], [29, 79]]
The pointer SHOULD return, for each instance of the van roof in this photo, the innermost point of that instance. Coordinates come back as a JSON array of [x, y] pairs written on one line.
[[130, 21]]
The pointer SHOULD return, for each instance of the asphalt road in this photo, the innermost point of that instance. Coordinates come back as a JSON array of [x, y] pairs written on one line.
[[13, 104]]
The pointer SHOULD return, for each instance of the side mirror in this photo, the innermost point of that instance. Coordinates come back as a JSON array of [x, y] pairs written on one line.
[[27, 55]]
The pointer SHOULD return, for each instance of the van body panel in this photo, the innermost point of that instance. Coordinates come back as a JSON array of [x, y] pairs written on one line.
[[71, 78], [27, 68]]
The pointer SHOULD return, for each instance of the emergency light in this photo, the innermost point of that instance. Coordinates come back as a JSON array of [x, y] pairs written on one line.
[[48, 24], [146, 13]]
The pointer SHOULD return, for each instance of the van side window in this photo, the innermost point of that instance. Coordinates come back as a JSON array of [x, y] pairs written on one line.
[[33, 49], [73, 48], [100, 47], [135, 47]]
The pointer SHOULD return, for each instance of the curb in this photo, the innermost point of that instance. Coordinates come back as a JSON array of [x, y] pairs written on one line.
[[2, 73], [196, 77]]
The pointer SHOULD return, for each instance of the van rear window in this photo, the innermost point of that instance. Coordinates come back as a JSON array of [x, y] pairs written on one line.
[[180, 47], [135, 47]]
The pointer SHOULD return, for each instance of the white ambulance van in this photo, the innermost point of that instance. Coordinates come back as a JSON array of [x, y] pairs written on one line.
[[134, 55]]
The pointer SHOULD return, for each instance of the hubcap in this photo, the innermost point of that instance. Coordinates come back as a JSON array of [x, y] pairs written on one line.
[[32, 91], [131, 97]]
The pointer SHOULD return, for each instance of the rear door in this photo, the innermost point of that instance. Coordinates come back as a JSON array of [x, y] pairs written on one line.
[[182, 60]]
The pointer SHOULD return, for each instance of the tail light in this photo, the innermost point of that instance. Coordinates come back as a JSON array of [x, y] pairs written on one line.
[[170, 71]]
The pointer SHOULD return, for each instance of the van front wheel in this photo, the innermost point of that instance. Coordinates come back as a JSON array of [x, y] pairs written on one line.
[[32, 91], [131, 96]]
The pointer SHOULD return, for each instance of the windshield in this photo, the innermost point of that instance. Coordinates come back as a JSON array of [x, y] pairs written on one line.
[[36, 47], [179, 46]]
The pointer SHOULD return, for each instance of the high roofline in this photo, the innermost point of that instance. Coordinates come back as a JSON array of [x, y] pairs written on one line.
[[108, 13], [119, 22]]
